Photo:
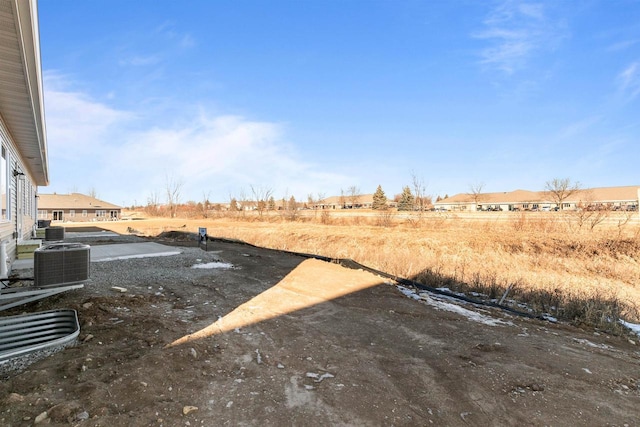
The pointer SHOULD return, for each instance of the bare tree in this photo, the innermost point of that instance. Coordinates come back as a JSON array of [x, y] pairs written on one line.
[[244, 203], [311, 202], [172, 187], [152, 204], [419, 193], [600, 215], [622, 222], [233, 204], [591, 214], [343, 199], [261, 196], [92, 193], [206, 204], [560, 189], [475, 191], [321, 197], [354, 195]]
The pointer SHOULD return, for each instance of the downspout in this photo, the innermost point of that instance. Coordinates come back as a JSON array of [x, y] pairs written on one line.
[[36, 198], [15, 204], [4, 261]]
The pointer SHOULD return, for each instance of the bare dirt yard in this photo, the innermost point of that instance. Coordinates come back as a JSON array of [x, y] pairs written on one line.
[[259, 337]]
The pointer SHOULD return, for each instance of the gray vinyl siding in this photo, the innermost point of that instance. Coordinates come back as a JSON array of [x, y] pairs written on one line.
[[8, 228]]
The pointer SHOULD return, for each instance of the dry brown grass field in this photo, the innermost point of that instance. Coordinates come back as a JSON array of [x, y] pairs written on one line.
[[563, 264]]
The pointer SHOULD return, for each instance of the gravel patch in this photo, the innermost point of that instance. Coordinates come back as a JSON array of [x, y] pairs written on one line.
[[131, 273]]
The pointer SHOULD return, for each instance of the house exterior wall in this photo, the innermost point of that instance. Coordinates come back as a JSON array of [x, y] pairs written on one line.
[[79, 214], [616, 198], [19, 221]]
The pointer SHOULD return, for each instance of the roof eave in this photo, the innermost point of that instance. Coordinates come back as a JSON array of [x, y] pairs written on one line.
[[27, 130]]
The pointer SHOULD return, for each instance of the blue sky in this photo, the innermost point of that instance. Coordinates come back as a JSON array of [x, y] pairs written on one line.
[[307, 97]]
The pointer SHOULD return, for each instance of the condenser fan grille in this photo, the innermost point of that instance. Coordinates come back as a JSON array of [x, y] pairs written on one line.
[[54, 233], [61, 263]]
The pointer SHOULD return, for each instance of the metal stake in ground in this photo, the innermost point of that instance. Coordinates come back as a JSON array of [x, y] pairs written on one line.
[[202, 236]]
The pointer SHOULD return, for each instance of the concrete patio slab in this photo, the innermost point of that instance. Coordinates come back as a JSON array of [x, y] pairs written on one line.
[[130, 250], [113, 252]]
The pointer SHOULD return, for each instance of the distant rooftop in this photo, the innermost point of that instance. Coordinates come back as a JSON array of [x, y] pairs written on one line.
[[73, 201]]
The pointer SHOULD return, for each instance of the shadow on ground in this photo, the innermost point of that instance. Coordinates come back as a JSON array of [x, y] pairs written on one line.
[[297, 342]]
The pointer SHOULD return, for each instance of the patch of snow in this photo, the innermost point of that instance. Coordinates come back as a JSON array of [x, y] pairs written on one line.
[[318, 378], [224, 265], [447, 306], [445, 289], [635, 328], [409, 293], [587, 370], [591, 344]]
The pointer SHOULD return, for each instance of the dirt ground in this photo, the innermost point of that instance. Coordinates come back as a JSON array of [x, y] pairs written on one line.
[[279, 339]]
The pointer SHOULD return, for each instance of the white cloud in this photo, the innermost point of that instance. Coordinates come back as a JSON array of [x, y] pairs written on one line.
[[76, 123], [187, 41], [516, 31], [141, 60], [623, 45], [580, 127], [222, 155], [168, 31], [629, 81], [92, 145]]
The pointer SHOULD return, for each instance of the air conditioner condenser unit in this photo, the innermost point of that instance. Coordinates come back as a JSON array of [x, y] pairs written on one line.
[[53, 234], [61, 263]]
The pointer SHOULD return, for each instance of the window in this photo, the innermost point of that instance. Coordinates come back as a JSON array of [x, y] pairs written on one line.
[[4, 185], [42, 214], [72, 213], [84, 212], [101, 213]]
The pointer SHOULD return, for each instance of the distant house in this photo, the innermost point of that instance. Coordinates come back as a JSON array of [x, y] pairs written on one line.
[[615, 198], [76, 207], [23, 145], [362, 201]]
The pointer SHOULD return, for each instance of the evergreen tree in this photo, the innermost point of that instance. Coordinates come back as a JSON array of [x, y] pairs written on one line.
[[272, 204], [379, 199], [233, 205], [406, 200]]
